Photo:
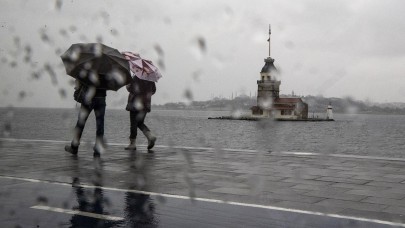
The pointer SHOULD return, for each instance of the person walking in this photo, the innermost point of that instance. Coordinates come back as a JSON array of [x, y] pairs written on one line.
[[91, 99], [139, 104]]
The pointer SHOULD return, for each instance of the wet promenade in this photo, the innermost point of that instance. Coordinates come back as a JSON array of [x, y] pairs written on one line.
[[43, 186]]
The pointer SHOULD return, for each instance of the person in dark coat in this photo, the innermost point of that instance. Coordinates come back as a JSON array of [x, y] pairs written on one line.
[[90, 99], [139, 104]]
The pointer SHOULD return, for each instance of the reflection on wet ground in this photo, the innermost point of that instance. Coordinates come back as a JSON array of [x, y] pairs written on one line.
[[41, 186], [80, 206]]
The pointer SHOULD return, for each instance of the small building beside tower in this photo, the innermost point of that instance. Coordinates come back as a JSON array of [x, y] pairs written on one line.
[[269, 102]]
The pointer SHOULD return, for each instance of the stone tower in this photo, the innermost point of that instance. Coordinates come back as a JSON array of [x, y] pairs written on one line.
[[268, 88]]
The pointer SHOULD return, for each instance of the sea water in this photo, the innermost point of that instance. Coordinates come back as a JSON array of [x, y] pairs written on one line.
[[357, 134]]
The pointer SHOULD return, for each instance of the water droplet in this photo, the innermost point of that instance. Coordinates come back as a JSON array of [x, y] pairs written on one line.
[[58, 4], [17, 41], [199, 47], [44, 37], [116, 77], [72, 82], [74, 55], [161, 64], [237, 113], [73, 28], [7, 129], [98, 48], [202, 44], [62, 93], [48, 68], [64, 33], [161, 199], [196, 75], [27, 59], [94, 78], [138, 104], [90, 94], [42, 200], [265, 103], [58, 51], [87, 66], [188, 94], [99, 39], [158, 50], [28, 49], [22, 95], [114, 32]]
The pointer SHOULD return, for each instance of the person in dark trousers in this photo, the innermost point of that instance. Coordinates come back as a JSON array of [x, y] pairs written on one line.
[[90, 99], [139, 104]]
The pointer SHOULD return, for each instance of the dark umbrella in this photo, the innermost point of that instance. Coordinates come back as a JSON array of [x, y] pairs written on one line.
[[97, 65]]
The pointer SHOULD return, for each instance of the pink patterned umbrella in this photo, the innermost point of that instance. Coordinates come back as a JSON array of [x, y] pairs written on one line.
[[142, 68]]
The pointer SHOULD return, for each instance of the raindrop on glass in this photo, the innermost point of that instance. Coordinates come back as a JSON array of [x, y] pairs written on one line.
[[99, 39], [42, 200], [7, 129], [62, 93], [58, 4], [35, 75], [161, 64], [202, 44], [73, 28], [17, 41], [188, 94], [114, 32], [64, 33], [22, 95], [48, 68], [158, 50]]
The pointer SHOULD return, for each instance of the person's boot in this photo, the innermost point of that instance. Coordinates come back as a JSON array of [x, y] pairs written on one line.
[[151, 139], [131, 145], [72, 149], [99, 147]]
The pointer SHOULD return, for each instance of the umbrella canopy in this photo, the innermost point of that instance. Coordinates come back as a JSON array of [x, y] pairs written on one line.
[[97, 65], [142, 68]]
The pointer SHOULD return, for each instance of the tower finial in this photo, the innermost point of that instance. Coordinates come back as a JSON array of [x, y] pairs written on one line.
[[269, 37]]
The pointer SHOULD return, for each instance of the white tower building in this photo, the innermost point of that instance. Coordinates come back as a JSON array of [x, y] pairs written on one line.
[[329, 112]]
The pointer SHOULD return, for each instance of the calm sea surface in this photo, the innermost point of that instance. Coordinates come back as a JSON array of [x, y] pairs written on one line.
[[373, 135]]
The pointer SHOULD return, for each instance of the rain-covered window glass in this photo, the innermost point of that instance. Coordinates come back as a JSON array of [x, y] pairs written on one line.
[[202, 113]]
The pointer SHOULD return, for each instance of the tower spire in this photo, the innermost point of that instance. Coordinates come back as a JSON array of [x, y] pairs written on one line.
[[269, 38]]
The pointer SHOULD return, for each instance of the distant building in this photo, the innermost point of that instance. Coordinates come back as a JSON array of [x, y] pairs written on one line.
[[269, 103]]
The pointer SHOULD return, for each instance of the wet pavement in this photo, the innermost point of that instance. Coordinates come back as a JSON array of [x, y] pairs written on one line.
[[43, 186]]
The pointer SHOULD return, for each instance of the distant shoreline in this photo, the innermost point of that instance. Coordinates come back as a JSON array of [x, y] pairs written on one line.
[[310, 113], [242, 103]]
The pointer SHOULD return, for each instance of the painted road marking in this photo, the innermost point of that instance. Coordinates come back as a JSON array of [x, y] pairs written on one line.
[[291, 153], [76, 212], [377, 221]]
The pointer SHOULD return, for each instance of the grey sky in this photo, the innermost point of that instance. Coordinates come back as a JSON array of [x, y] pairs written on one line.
[[322, 47]]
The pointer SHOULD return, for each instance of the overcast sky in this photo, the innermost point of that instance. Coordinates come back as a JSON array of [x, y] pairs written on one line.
[[209, 48]]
